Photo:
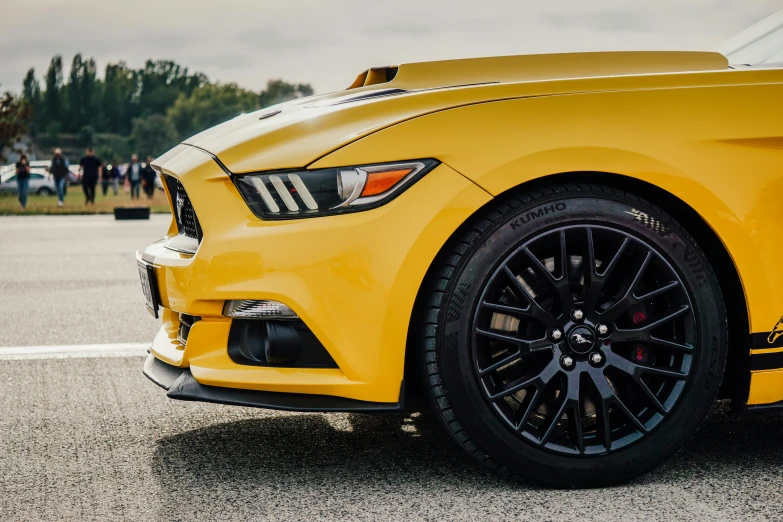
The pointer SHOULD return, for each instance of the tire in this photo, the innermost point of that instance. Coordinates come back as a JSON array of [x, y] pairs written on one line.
[[499, 379], [44, 191]]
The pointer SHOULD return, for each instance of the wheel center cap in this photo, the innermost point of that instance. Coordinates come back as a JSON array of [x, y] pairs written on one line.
[[581, 339]]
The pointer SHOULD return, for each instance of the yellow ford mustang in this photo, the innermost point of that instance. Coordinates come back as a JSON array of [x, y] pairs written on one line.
[[563, 252]]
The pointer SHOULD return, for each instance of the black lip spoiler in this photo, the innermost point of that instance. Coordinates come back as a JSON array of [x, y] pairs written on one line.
[[181, 385]]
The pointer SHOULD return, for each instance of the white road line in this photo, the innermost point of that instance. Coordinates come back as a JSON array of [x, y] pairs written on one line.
[[17, 353]]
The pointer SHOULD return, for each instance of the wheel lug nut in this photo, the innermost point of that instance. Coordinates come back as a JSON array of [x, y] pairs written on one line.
[[567, 362], [596, 358], [556, 335], [602, 329], [577, 315]]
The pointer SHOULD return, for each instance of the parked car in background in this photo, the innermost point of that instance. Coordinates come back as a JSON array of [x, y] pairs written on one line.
[[42, 165], [41, 182]]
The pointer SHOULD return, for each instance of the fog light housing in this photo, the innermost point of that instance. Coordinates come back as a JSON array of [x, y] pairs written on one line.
[[248, 309], [287, 343]]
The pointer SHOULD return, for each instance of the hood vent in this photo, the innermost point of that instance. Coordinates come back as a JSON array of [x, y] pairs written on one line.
[[374, 76]]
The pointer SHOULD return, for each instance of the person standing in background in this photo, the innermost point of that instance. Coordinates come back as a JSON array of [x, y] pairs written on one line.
[[133, 174], [111, 175], [22, 179], [59, 169], [115, 175], [106, 179], [148, 174], [91, 171]]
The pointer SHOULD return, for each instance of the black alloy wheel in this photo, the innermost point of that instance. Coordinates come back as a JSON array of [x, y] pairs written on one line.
[[560, 355], [579, 336]]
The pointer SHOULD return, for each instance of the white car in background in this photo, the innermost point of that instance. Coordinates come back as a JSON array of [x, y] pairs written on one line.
[[41, 182], [41, 166]]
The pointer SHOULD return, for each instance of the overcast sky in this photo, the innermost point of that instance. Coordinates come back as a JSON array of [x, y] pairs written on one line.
[[328, 42]]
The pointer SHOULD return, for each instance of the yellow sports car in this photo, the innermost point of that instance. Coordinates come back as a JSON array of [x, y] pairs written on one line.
[[570, 255]]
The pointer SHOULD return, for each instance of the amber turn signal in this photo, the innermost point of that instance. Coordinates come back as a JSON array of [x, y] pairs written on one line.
[[380, 182]]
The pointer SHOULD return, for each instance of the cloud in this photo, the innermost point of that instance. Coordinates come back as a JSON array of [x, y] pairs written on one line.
[[327, 42]]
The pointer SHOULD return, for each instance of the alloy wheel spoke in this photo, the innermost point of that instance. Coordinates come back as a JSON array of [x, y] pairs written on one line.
[[540, 381], [598, 281], [554, 421], [651, 397], [533, 309], [558, 284], [506, 309], [663, 372], [515, 356], [635, 371], [610, 398], [532, 404], [604, 424], [643, 333], [627, 300], [659, 291], [683, 347], [575, 420], [525, 345]]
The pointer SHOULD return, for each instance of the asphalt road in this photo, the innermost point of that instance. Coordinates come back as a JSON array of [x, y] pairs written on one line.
[[73, 279], [92, 439]]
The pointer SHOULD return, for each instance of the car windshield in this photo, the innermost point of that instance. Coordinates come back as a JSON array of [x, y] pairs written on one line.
[[759, 45]]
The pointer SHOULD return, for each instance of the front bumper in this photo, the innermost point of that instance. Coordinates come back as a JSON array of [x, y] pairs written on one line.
[[352, 279], [181, 385]]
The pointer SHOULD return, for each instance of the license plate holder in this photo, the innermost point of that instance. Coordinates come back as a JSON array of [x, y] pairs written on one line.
[[149, 287]]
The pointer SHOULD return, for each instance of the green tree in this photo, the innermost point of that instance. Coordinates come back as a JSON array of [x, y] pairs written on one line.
[[51, 97], [31, 89], [88, 92], [31, 93], [15, 115], [162, 82], [118, 102], [209, 105], [73, 121], [86, 136], [278, 91], [153, 135]]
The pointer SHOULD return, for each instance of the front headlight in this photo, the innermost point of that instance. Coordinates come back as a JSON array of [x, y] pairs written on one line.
[[310, 193]]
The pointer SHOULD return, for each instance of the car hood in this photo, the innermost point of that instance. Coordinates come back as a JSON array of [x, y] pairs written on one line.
[[297, 133]]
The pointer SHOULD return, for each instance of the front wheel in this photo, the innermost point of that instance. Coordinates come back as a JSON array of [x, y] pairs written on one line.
[[576, 336]]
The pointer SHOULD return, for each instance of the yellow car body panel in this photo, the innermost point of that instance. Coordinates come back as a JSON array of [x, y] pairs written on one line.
[[351, 278], [684, 122]]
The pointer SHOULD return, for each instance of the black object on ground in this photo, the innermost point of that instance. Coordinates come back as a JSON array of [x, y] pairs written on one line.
[[131, 212]]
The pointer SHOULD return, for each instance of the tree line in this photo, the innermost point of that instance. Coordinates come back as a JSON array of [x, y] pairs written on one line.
[[148, 109]]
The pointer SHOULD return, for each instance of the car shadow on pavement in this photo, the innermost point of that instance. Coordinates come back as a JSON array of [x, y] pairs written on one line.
[[314, 447], [346, 451]]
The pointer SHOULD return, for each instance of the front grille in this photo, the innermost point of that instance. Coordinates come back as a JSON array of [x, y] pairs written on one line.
[[184, 213]]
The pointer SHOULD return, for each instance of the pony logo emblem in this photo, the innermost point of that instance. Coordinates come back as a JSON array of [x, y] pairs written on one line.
[[776, 332], [581, 339]]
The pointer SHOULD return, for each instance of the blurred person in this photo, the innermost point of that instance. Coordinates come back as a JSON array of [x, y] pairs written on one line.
[[111, 176], [59, 169], [148, 175], [133, 175], [115, 178], [22, 179], [91, 169]]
